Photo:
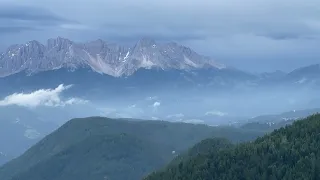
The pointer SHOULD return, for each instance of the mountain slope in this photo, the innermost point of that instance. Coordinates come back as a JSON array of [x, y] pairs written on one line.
[[115, 157], [288, 153], [100, 56], [60, 153]]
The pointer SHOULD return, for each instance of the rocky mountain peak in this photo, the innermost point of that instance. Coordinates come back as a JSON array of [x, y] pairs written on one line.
[[146, 42], [59, 43]]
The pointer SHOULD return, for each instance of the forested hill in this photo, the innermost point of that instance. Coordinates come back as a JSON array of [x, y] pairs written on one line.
[[289, 153]]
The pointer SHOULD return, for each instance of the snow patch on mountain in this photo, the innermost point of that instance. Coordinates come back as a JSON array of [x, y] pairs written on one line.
[[127, 55]]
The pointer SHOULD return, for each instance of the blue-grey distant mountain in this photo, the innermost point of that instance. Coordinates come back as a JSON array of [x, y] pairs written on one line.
[[151, 80], [306, 75], [275, 121]]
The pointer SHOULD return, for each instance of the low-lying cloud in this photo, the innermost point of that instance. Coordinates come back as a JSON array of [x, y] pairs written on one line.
[[156, 104], [180, 115], [215, 113], [41, 97]]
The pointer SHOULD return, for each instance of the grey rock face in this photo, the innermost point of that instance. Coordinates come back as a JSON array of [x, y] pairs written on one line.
[[100, 56]]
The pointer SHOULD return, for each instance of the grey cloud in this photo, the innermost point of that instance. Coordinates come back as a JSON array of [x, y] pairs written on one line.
[[274, 19], [284, 36], [29, 13], [18, 18], [16, 29], [187, 19], [127, 35]]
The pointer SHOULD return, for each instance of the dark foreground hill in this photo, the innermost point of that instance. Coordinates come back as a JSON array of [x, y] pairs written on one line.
[[292, 152], [100, 148]]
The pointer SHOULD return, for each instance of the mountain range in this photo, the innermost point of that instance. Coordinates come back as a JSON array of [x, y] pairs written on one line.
[[100, 56]]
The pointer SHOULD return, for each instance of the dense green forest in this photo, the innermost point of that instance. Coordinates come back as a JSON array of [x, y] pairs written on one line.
[[291, 152], [206, 146], [99, 148]]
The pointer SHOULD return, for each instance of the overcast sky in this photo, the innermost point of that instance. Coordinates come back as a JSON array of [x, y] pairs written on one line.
[[256, 35]]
